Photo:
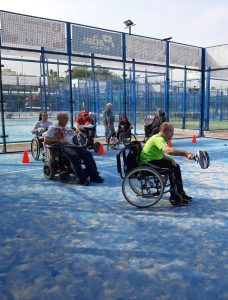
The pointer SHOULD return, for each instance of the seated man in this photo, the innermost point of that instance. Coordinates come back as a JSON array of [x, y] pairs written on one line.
[[156, 121], [84, 119], [42, 125], [124, 125], [61, 135], [156, 151]]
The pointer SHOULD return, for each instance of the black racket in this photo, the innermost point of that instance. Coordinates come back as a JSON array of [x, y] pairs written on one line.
[[202, 158]]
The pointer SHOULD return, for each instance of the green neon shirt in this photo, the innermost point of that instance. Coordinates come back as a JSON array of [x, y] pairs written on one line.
[[153, 149]]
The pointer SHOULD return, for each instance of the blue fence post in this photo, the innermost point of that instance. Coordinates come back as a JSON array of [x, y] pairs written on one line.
[[124, 73], [207, 99], [2, 104], [69, 52], [134, 108], [167, 82], [43, 95], [93, 84], [184, 99], [202, 98], [147, 94]]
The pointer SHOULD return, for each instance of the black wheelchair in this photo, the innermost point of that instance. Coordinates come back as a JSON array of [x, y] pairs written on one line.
[[37, 147], [56, 164], [150, 131], [89, 132], [143, 185], [114, 139]]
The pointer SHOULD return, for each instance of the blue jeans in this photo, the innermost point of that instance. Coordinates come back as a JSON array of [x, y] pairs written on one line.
[[76, 156], [108, 130]]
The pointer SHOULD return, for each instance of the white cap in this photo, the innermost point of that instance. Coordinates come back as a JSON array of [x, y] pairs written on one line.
[[109, 104]]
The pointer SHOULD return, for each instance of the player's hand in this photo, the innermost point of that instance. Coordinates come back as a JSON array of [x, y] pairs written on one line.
[[190, 156]]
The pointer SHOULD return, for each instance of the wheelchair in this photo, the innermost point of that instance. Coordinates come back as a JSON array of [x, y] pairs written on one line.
[[150, 131], [56, 164], [89, 132], [115, 139], [143, 185], [37, 147], [37, 144]]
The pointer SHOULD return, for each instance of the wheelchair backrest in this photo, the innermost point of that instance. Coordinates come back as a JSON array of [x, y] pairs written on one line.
[[129, 156]]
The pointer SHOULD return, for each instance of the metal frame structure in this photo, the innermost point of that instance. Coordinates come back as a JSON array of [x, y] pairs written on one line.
[[133, 54]]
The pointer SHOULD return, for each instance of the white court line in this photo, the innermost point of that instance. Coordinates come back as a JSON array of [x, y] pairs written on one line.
[[11, 172]]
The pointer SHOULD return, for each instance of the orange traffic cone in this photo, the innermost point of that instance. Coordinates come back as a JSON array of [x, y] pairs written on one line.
[[101, 150], [170, 143], [194, 139], [25, 159]]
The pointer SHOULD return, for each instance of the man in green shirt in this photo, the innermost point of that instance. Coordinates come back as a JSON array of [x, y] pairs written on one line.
[[157, 152]]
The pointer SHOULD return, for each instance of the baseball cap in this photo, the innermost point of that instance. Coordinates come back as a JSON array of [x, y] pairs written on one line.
[[84, 112], [109, 104]]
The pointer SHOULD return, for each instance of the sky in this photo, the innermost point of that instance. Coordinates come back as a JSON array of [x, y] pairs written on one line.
[[195, 22]]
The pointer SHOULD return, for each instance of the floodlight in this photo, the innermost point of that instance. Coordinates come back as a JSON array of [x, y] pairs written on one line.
[[128, 23], [167, 39]]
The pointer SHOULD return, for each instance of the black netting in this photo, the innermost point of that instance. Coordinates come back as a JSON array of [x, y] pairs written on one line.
[[145, 49], [183, 55], [217, 56], [31, 32], [87, 40]]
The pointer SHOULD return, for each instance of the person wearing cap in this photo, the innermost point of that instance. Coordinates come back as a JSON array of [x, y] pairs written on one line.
[[83, 119], [108, 120], [60, 135]]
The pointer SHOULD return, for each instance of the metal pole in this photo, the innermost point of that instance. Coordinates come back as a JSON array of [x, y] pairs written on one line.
[[44, 79], [167, 82], [69, 72], [207, 99], [134, 96], [184, 99], [202, 102], [124, 75], [2, 101]]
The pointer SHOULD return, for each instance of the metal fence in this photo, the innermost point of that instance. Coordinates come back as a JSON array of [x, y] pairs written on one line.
[[56, 66]]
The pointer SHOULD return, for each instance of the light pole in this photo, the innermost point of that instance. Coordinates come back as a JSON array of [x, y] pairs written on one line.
[[129, 24], [22, 71]]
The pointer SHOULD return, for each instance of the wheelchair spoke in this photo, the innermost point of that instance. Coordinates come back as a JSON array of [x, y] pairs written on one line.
[[143, 187], [35, 148]]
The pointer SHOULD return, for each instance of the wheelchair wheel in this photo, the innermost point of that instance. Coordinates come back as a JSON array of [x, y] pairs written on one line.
[[143, 187], [112, 142], [49, 170], [64, 177], [35, 148], [126, 138], [80, 140], [96, 146]]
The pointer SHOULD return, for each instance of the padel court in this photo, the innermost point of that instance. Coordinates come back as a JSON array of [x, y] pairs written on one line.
[[64, 241]]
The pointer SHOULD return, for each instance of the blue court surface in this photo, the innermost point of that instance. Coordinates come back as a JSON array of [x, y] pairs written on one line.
[[64, 241]]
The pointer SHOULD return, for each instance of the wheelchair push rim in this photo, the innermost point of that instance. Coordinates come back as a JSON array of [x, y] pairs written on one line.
[[143, 187], [126, 138], [35, 148], [112, 142]]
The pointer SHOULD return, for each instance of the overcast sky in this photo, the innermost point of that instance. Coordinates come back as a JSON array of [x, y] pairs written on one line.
[[195, 22]]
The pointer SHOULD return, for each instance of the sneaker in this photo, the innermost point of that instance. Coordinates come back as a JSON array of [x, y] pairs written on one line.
[[186, 197], [82, 181], [176, 200], [97, 179]]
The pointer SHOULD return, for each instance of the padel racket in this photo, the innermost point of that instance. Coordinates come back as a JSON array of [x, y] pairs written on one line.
[[202, 158]]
